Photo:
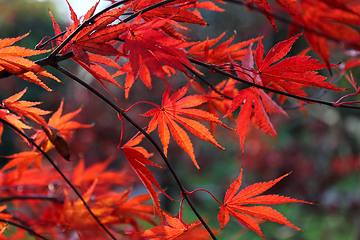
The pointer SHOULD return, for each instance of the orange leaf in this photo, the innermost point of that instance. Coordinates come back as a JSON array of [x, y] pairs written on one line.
[[11, 60], [175, 229], [25, 108], [234, 205], [170, 112]]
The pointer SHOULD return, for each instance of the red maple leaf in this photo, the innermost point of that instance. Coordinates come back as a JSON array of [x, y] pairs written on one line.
[[170, 112], [25, 108], [23, 160], [234, 204], [221, 53], [176, 229], [12, 60], [335, 19], [147, 46], [13, 119], [58, 129], [94, 42]]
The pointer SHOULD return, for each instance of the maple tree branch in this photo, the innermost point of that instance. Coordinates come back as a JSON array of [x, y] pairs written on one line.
[[31, 141], [23, 227], [250, 84], [154, 143]]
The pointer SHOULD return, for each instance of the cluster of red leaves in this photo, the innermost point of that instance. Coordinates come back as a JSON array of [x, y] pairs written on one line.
[[151, 45], [321, 20]]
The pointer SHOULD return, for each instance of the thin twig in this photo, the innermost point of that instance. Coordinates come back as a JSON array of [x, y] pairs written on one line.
[[154, 143], [250, 84]]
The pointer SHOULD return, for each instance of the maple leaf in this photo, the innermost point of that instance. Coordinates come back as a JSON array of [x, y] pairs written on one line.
[[221, 53], [289, 6], [147, 46], [75, 215], [128, 207], [23, 160], [329, 18], [170, 112], [25, 108], [97, 39], [138, 159], [59, 126], [256, 104], [234, 205], [175, 229], [217, 103], [289, 75], [83, 177], [13, 119], [12, 60]]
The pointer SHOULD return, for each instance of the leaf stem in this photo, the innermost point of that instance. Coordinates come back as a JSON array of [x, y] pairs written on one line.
[[201, 189]]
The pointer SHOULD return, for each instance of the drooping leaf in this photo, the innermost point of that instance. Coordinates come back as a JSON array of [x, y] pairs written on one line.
[[138, 159], [234, 204]]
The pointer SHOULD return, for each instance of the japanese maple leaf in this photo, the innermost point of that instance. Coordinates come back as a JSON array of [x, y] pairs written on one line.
[[96, 38], [292, 73], [170, 112], [234, 204], [83, 177], [217, 103], [147, 46], [289, 6], [94, 42], [175, 229], [77, 217], [12, 60], [221, 53], [138, 159], [59, 126], [256, 104], [13, 119], [25, 108], [23, 160], [128, 207], [335, 19], [289, 75]]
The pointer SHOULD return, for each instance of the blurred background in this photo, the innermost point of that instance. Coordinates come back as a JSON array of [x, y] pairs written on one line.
[[320, 148]]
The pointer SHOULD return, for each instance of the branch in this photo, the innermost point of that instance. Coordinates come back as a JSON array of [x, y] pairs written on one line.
[[250, 84], [31, 141], [124, 115], [23, 227]]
